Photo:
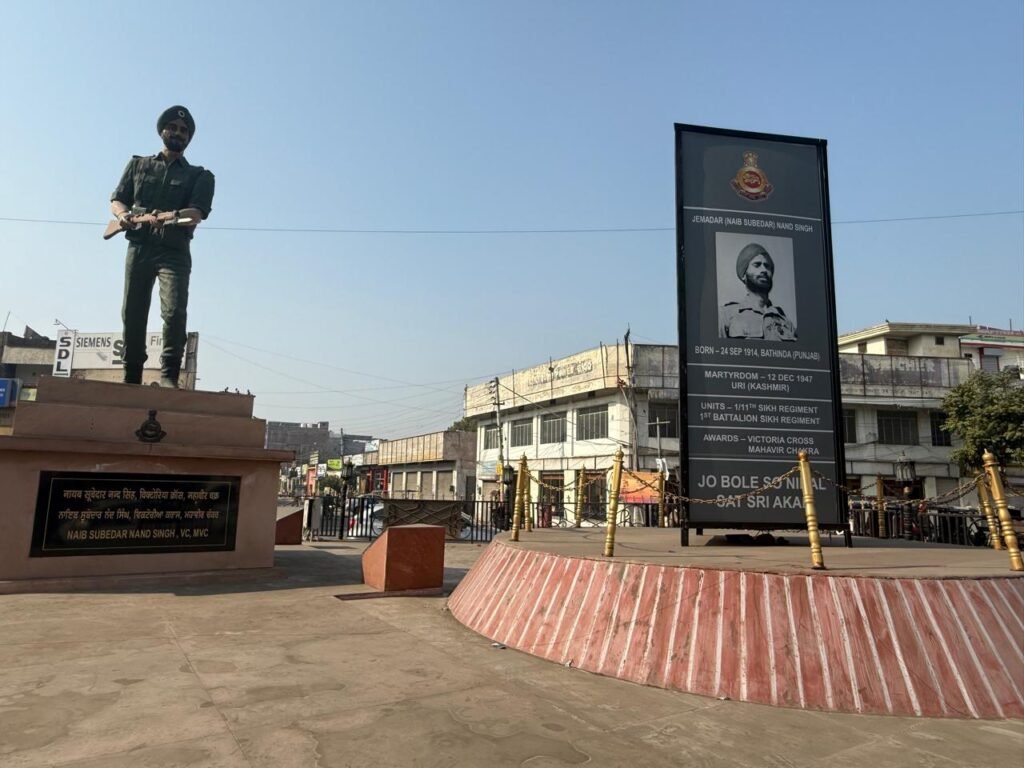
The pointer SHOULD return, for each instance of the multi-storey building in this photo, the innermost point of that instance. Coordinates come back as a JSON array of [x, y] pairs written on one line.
[[991, 349], [439, 465], [305, 438], [574, 413]]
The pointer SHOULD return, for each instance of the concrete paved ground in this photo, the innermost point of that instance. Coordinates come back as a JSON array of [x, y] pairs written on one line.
[[269, 670]]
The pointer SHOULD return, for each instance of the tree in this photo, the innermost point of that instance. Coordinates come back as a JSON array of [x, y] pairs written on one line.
[[987, 413], [330, 481], [465, 424]]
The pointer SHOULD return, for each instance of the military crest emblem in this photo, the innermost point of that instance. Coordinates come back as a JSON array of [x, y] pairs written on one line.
[[750, 181]]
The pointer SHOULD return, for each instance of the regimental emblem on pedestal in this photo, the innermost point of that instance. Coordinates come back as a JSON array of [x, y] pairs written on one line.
[[150, 431], [750, 181]]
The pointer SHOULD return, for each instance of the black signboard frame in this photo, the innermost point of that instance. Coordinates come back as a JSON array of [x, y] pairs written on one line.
[[829, 519], [95, 521]]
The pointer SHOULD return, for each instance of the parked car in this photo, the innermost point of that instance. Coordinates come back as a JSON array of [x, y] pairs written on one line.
[[366, 517]]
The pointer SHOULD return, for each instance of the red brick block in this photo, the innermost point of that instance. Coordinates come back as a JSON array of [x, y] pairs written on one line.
[[406, 557], [289, 529]]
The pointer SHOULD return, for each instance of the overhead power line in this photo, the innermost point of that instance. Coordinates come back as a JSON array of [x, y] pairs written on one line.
[[554, 231], [391, 403]]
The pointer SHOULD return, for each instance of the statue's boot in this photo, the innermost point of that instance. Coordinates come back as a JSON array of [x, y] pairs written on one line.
[[132, 373]]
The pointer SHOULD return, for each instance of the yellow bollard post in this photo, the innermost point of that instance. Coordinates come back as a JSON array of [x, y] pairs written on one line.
[[517, 513], [613, 504], [1005, 523], [662, 522], [880, 506], [580, 482], [527, 498], [990, 519], [817, 559]]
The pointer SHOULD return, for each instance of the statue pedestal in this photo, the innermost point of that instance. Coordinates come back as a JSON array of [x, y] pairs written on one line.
[[102, 479]]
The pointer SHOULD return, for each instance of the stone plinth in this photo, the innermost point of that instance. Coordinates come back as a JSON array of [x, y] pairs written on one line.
[[289, 528], [406, 557], [934, 632], [84, 495]]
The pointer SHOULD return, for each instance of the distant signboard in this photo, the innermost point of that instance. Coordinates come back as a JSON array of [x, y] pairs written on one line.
[[334, 465], [97, 351], [8, 392], [639, 487]]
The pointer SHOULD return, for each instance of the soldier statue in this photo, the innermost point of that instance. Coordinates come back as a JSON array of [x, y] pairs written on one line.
[[158, 203]]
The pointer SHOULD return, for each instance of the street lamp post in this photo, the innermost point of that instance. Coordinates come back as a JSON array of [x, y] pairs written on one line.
[[508, 481], [346, 475], [905, 473]]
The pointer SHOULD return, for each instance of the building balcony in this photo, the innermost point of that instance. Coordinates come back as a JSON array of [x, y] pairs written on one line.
[[893, 379]]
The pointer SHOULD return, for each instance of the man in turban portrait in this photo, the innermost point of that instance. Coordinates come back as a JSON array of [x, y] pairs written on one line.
[[755, 316]]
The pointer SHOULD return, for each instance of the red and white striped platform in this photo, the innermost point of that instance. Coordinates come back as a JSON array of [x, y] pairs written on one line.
[[925, 631]]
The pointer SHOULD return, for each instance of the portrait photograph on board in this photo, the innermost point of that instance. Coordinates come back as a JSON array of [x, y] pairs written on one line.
[[756, 287]]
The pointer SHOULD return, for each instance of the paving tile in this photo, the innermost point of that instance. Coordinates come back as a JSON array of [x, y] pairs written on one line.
[[475, 727], [209, 752], [77, 709], [261, 678]]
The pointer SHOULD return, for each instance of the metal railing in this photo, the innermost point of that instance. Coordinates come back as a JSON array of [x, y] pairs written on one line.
[[364, 518], [361, 518], [936, 524]]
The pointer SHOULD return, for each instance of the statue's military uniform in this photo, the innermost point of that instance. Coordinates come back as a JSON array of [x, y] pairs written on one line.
[[746, 320], [160, 254]]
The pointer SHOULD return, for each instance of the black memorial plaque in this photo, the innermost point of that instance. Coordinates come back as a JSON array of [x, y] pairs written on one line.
[[105, 513], [759, 369]]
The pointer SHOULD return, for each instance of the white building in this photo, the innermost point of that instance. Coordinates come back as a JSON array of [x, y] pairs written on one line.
[[894, 377], [573, 413], [439, 465], [991, 349]]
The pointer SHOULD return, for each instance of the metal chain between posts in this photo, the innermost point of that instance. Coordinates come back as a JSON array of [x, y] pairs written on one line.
[[1017, 490], [957, 493], [772, 485], [567, 487]]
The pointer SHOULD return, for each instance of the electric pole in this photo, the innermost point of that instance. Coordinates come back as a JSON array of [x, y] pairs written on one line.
[[494, 387], [657, 426]]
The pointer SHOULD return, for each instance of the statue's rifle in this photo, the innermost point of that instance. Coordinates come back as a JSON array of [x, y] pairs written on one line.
[[139, 220]]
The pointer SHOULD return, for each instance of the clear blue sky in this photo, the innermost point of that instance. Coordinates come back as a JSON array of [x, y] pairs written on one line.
[[484, 115]]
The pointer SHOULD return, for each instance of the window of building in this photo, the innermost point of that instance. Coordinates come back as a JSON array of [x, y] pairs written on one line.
[[663, 416], [939, 435], [940, 341], [862, 348], [522, 433], [896, 346], [552, 489], [552, 428], [897, 428], [849, 425], [989, 363], [592, 423], [491, 437], [595, 494]]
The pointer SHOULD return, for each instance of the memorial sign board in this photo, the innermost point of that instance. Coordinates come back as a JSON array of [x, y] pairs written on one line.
[[113, 513], [757, 329]]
